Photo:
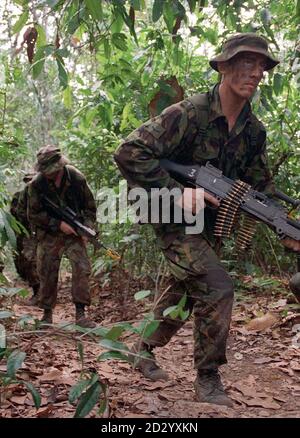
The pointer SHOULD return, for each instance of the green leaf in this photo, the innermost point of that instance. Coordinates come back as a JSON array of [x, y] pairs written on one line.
[[277, 83], [169, 16], [67, 97], [166, 88], [298, 9], [2, 338], [35, 394], [136, 4], [62, 73], [5, 314], [117, 23], [192, 4], [212, 35], [102, 406], [78, 389], [80, 352], [184, 314], [150, 328], [39, 59], [140, 295], [114, 333], [171, 311], [52, 3], [113, 345], [95, 9], [3, 279], [9, 292], [9, 231], [64, 53], [41, 39], [23, 320], [112, 355], [182, 301], [157, 9], [107, 51], [14, 362], [119, 40], [88, 400], [20, 22], [20, 2]]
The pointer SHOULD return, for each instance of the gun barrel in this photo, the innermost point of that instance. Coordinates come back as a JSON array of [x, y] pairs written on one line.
[[280, 195]]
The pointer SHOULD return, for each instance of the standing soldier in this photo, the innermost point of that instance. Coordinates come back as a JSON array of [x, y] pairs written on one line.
[[25, 256], [217, 127], [64, 185]]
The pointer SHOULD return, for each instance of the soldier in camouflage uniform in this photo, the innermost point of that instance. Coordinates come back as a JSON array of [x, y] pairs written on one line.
[[25, 256], [65, 186], [216, 127]]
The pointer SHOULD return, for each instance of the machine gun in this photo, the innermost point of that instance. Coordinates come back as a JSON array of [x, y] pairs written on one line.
[[236, 196], [69, 216]]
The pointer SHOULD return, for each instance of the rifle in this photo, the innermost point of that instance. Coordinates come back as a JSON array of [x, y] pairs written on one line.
[[236, 196], [69, 216]]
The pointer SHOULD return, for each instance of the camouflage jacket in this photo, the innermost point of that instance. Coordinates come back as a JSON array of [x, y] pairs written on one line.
[[19, 206], [14, 204], [73, 192], [174, 134]]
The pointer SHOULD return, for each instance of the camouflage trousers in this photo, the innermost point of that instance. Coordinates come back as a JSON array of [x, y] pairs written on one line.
[[197, 272], [49, 254], [25, 260]]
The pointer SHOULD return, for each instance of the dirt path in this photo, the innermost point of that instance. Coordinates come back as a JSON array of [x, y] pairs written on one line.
[[262, 375]]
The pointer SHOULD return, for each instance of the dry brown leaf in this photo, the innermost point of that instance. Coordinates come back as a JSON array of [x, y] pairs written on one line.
[[44, 412], [55, 375], [156, 385], [52, 375], [248, 391], [262, 323], [236, 397], [268, 403], [263, 360], [279, 303], [279, 398], [169, 396], [295, 365], [18, 399], [135, 415]]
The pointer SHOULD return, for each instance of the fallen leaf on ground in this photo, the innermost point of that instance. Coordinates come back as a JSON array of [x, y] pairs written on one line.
[[262, 323], [263, 360], [265, 403], [248, 391], [157, 385], [295, 365], [19, 400], [44, 412]]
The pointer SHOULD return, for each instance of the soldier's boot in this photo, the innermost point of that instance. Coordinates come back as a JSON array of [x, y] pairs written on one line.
[[81, 319], [47, 317], [146, 365], [209, 388], [34, 300]]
